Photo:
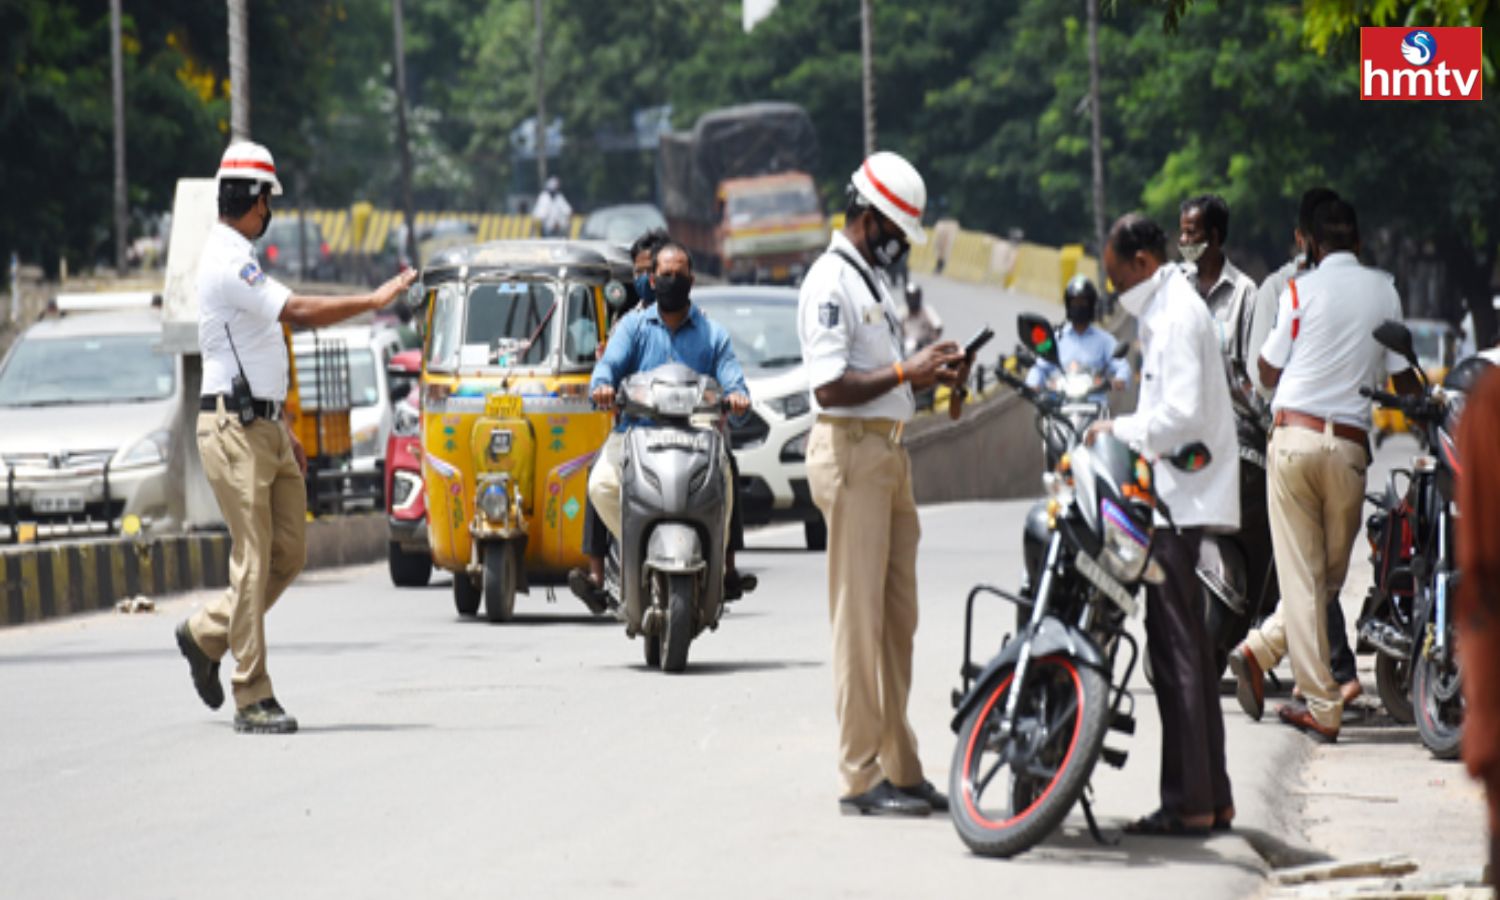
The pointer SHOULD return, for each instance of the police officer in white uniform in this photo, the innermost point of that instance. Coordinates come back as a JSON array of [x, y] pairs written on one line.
[[860, 478], [252, 460]]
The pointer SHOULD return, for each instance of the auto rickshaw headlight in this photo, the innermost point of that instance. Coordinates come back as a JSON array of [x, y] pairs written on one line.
[[494, 503], [500, 443]]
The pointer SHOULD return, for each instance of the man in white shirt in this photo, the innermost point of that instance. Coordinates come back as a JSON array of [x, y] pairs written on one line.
[[1184, 399], [860, 478], [1319, 354], [552, 212], [1203, 226], [253, 462]]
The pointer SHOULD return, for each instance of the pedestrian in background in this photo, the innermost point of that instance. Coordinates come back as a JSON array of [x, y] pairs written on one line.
[[1479, 594], [1321, 351], [253, 461], [1203, 225], [552, 212], [860, 477], [1184, 399]]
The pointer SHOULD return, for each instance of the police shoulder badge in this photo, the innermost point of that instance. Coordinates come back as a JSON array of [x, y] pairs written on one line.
[[252, 275], [828, 314]]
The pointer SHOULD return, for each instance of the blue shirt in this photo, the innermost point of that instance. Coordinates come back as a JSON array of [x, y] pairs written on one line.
[[1093, 350], [642, 341]]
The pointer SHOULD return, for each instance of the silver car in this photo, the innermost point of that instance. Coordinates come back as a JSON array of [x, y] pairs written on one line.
[[88, 403]]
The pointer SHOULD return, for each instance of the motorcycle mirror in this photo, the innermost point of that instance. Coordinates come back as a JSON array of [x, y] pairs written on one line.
[[1122, 350], [1396, 337], [416, 295], [1038, 337], [1192, 457], [616, 295]]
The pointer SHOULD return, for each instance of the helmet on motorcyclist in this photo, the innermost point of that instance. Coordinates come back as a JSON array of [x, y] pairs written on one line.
[[1081, 299]]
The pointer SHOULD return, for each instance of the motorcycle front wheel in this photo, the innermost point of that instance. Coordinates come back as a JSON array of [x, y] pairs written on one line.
[[1437, 700], [1010, 792]]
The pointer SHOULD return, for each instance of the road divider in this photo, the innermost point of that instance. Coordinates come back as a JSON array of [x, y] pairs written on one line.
[[63, 579]]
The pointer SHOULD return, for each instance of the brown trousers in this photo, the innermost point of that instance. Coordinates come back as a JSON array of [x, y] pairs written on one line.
[[861, 480], [255, 478]]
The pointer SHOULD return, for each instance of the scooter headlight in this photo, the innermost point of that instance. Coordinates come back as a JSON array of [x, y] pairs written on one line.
[[675, 400], [1127, 547]]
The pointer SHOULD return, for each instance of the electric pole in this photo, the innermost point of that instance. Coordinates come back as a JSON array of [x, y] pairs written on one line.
[[117, 74], [541, 99], [402, 138], [239, 71], [1096, 113], [867, 51]]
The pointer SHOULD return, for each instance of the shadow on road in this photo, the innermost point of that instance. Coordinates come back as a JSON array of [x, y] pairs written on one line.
[[366, 728], [731, 667]]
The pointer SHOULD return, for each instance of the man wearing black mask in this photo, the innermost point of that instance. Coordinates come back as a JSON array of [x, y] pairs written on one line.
[[1085, 344]]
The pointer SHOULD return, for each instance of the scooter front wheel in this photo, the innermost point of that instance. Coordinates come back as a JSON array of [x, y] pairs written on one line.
[[678, 631], [1009, 792]]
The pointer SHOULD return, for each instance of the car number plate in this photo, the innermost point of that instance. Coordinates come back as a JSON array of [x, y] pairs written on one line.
[[504, 406], [677, 440], [58, 503]]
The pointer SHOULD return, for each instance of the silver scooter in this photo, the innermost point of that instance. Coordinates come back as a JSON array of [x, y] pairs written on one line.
[[666, 577]]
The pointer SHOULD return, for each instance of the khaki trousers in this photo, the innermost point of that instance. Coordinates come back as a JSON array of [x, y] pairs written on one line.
[[261, 493], [1315, 488], [604, 488], [861, 480]]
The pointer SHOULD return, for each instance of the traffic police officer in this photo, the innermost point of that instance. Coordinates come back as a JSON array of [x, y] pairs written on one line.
[[861, 481], [253, 462]]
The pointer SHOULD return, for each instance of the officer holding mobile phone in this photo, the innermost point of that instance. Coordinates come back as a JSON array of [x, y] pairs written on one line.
[[253, 462]]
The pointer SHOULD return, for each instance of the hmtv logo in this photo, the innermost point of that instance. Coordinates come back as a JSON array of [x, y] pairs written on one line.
[[1421, 63]]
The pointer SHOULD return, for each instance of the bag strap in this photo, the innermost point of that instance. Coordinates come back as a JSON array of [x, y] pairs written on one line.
[[870, 286]]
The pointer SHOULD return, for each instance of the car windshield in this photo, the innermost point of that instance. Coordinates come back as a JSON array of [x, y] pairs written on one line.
[[785, 203], [763, 330], [87, 369], [500, 318]]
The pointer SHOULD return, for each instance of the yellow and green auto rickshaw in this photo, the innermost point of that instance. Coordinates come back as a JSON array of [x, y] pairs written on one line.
[[508, 430]]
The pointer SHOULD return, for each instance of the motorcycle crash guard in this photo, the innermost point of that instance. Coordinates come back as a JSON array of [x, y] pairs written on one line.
[[1051, 638]]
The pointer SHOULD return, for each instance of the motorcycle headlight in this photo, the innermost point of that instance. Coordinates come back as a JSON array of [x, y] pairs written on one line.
[[494, 502], [149, 450], [792, 405], [795, 450], [1078, 385], [1127, 547]]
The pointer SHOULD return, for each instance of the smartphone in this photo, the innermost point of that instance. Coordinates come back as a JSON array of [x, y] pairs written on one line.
[[977, 342]]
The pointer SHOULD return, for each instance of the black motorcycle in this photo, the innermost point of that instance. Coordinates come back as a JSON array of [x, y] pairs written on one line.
[[1031, 723], [1386, 623], [1437, 702]]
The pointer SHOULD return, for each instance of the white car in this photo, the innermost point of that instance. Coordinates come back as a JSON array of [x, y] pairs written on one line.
[[369, 350], [89, 403], [770, 442]]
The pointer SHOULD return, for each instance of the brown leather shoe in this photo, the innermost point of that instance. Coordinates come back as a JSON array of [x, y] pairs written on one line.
[[1349, 690], [1252, 682], [1301, 718]]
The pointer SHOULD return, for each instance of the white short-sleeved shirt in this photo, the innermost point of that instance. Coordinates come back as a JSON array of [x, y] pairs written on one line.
[[843, 327], [233, 290], [1323, 340]]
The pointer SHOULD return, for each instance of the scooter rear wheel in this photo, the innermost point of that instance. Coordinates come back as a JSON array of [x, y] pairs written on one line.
[[1393, 683]]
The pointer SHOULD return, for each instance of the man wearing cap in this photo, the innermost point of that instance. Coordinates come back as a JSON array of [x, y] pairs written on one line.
[[251, 458], [860, 478], [552, 212]]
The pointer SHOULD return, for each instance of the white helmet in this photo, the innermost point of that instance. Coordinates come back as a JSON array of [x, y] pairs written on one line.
[[893, 186], [248, 161]]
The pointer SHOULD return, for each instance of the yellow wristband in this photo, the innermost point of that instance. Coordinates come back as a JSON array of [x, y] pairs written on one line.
[[900, 373]]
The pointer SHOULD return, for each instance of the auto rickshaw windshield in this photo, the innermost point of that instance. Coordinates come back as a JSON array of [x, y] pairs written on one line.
[[514, 323]]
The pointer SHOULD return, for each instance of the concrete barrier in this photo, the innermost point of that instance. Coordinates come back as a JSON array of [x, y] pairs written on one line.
[[52, 580], [992, 453]]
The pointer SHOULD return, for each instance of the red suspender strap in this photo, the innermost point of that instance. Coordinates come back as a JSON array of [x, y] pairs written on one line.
[[1296, 309]]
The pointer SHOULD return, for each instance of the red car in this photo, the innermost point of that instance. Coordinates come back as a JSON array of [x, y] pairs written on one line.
[[406, 504]]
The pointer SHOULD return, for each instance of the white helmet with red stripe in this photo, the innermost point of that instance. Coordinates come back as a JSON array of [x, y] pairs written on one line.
[[893, 186], [248, 161]]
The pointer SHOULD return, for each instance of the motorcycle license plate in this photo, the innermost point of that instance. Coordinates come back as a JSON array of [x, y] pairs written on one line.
[[503, 406], [678, 440], [1106, 583], [58, 503]]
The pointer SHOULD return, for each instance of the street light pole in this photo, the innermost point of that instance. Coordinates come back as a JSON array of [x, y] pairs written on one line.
[[402, 139], [1096, 114], [541, 98], [239, 71], [867, 52], [117, 75]]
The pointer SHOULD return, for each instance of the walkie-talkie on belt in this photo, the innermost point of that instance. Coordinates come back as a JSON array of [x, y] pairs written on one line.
[[241, 400]]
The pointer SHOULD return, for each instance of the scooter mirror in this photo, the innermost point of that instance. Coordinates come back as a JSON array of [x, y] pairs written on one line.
[[416, 295], [1192, 457], [1037, 336]]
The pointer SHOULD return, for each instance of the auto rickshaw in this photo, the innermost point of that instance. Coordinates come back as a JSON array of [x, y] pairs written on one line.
[[508, 429]]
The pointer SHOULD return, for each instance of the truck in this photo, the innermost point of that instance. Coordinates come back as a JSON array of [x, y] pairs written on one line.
[[737, 192]]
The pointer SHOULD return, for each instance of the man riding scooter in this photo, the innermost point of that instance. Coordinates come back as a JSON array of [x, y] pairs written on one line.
[[670, 331], [1085, 345]]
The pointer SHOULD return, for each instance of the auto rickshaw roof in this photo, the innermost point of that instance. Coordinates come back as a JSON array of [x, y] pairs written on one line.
[[595, 260]]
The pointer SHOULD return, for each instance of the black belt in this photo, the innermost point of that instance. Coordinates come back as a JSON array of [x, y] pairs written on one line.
[[264, 409]]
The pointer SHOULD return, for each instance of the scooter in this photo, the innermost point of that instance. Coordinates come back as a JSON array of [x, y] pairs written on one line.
[[666, 578]]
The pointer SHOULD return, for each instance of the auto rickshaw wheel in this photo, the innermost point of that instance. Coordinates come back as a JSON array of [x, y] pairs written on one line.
[[465, 594], [501, 576]]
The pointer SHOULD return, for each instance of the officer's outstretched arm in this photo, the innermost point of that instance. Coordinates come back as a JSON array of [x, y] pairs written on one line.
[[317, 312]]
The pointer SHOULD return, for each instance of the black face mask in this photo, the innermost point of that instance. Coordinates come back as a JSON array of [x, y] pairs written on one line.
[[672, 292], [886, 248], [1080, 315], [264, 224]]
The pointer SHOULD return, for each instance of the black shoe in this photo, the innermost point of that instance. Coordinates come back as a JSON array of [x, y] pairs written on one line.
[[205, 671], [584, 589], [926, 791], [737, 585], [265, 717], [884, 799]]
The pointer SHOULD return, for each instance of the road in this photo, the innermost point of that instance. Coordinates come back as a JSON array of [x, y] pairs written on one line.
[[449, 757]]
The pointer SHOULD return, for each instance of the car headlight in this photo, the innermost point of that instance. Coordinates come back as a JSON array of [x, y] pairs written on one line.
[[795, 450], [792, 405], [1127, 547], [365, 439], [149, 450], [406, 487], [494, 502]]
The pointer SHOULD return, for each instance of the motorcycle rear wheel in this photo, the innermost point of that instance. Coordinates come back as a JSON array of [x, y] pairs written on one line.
[[1438, 702], [1059, 729], [1393, 683]]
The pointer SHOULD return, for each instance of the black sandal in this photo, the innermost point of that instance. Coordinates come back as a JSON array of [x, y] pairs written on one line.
[[584, 589], [1164, 824]]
